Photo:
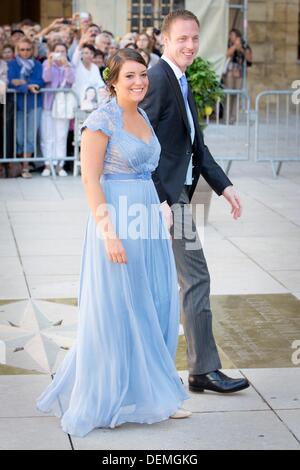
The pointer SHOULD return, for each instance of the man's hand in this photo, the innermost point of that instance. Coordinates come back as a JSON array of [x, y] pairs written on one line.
[[167, 213], [34, 88], [234, 200], [86, 36], [57, 22]]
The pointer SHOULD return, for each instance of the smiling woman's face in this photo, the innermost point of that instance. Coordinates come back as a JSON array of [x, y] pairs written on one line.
[[132, 83]]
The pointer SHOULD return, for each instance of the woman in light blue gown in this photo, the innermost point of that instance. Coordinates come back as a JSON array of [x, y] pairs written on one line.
[[122, 365]]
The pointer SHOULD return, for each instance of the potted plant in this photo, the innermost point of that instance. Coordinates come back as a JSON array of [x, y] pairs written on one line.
[[205, 86], [207, 91]]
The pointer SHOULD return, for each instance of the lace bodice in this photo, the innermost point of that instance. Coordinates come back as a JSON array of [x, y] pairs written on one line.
[[125, 152]]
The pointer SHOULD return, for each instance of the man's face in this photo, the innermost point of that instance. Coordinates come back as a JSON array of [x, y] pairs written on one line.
[[182, 42], [103, 44], [94, 31], [7, 30], [24, 50], [16, 37]]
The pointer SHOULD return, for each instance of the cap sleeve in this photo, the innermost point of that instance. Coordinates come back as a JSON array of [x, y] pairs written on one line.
[[98, 120]]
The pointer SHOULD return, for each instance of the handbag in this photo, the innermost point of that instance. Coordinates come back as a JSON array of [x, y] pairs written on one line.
[[64, 105]]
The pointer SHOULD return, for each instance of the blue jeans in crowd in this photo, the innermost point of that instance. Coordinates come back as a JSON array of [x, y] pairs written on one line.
[[31, 131]]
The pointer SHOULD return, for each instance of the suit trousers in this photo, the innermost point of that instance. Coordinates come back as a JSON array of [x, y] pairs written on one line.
[[194, 281]]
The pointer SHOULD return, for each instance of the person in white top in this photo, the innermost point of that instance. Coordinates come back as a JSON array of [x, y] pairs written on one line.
[[87, 74]]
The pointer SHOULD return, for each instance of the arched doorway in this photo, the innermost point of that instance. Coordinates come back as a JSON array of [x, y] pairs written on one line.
[[42, 11], [14, 11]]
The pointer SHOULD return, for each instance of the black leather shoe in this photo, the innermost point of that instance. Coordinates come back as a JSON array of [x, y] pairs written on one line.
[[217, 382]]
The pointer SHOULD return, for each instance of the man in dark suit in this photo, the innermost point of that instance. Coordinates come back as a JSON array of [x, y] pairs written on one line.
[[184, 157]]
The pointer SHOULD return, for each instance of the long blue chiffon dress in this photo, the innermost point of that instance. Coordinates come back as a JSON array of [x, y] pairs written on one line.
[[121, 367]]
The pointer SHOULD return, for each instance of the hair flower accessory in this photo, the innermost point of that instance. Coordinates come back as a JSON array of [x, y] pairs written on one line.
[[106, 73]]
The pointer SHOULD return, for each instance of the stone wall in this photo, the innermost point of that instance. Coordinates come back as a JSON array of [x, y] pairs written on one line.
[[273, 36], [50, 10]]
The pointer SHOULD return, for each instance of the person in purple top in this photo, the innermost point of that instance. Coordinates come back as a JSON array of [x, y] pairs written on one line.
[[57, 73], [25, 76]]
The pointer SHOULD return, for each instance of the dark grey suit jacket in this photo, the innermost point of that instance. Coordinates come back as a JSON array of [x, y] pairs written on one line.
[[165, 108]]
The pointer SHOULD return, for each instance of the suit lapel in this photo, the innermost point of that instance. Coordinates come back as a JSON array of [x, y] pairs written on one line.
[[177, 91]]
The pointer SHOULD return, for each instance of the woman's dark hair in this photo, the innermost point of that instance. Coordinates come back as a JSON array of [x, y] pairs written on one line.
[[98, 52], [147, 54], [237, 32], [58, 43], [8, 46], [90, 47], [116, 62]]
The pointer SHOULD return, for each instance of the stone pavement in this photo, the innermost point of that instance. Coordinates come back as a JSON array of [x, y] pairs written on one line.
[[255, 273], [265, 416]]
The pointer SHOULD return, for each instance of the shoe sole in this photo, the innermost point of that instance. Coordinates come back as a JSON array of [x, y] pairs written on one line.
[[181, 417], [201, 390]]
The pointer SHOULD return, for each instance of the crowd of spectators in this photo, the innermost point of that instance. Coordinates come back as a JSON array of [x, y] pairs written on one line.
[[70, 53]]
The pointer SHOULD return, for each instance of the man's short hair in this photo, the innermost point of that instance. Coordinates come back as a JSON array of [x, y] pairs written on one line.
[[15, 31], [175, 15]]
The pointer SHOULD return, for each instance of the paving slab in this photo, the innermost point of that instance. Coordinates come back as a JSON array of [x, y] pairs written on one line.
[[280, 388], [51, 265], [19, 393], [32, 434], [259, 430], [291, 419], [55, 286]]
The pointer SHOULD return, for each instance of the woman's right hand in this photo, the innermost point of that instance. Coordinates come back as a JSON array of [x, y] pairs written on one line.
[[115, 250], [167, 213]]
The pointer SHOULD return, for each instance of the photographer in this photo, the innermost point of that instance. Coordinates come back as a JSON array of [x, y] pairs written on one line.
[[237, 53], [57, 73]]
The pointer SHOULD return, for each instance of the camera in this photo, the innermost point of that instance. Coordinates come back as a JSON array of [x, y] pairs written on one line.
[[57, 55], [84, 15]]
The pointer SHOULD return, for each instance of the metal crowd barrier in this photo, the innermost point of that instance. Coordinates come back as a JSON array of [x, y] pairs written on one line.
[[227, 140], [227, 131], [277, 128], [10, 119], [80, 118]]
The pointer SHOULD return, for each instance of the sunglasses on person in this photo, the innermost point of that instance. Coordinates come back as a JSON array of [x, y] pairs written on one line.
[[27, 50]]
